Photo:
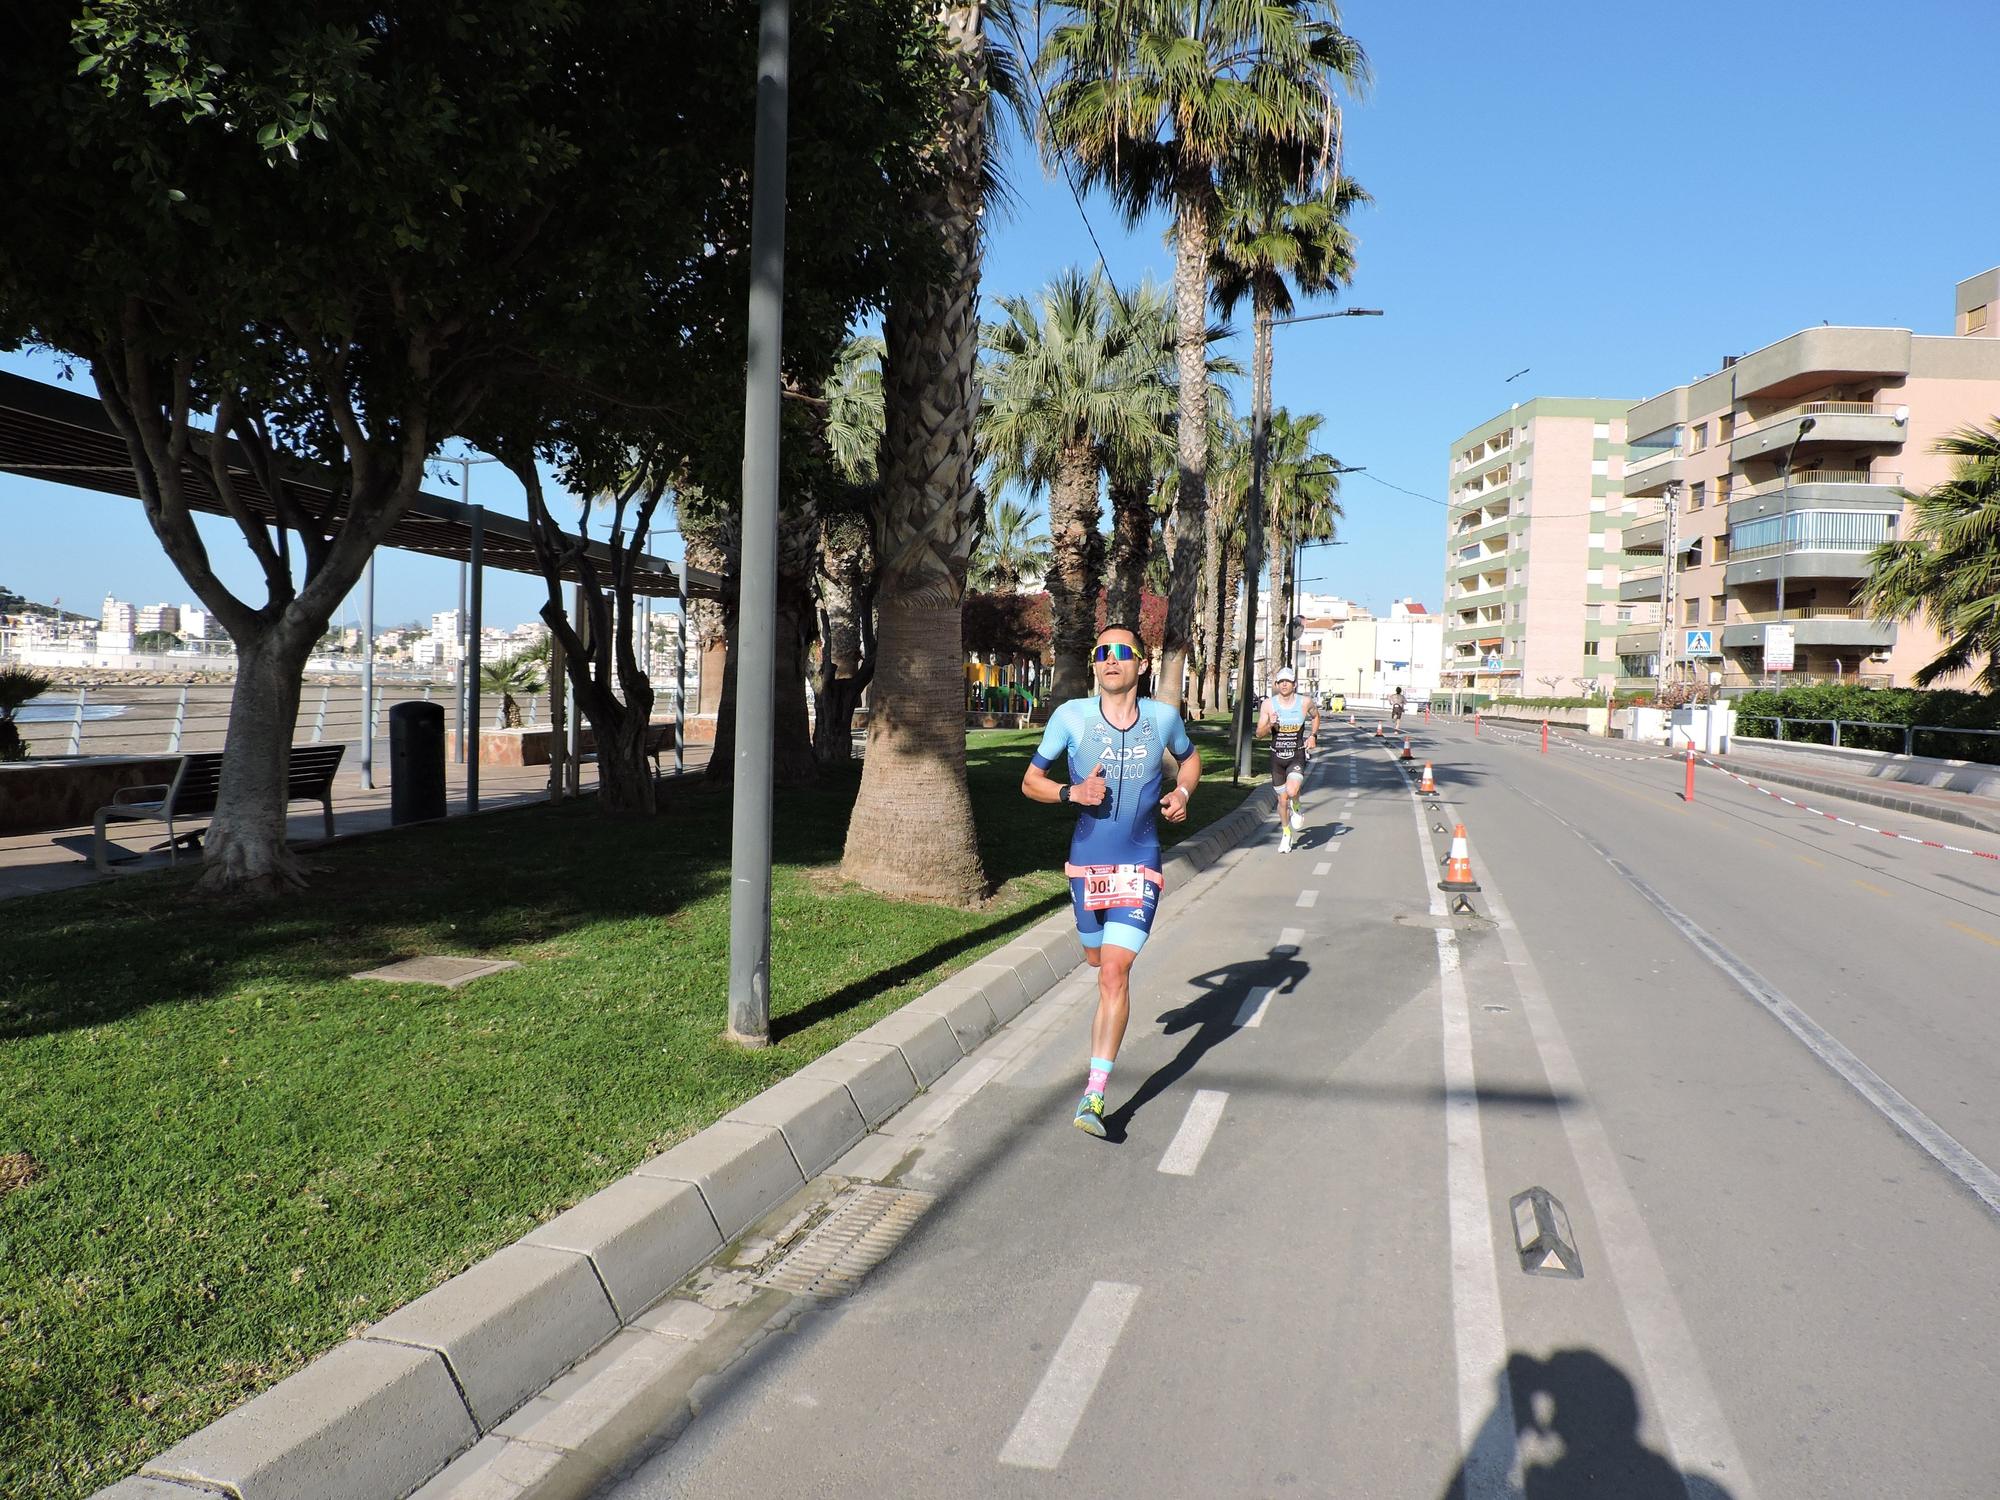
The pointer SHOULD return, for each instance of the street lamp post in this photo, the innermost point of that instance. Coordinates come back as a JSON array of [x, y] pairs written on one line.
[[1253, 540], [757, 614]]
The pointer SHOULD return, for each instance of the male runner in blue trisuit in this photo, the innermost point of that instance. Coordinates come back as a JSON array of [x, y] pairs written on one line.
[[1293, 725], [1114, 744]]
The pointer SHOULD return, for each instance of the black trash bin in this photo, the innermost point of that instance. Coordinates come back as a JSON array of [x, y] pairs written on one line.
[[416, 763]]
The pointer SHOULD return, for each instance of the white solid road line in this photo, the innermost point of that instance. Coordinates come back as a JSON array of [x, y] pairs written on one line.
[[1479, 1334], [1684, 1402], [1184, 1151], [1920, 1128], [1308, 898], [1251, 1011], [1042, 1435], [1325, 866], [1291, 937]]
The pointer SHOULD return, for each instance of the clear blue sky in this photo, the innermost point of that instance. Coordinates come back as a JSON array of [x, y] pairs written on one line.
[[1614, 197]]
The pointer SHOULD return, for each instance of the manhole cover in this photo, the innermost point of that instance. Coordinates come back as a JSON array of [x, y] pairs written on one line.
[[447, 972], [17, 1170], [865, 1224]]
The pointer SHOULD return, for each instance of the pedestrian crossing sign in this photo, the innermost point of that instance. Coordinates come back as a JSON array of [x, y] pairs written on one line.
[[1699, 643]]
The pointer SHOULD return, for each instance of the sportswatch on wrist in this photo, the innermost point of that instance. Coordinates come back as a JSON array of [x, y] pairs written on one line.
[[1062, 793]]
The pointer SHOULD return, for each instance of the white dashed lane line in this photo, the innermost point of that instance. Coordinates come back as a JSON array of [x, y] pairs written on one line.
[[1043, 1434], [1324, 867], [1251, 1012], [1185, 1150], [1308, 898], [1291, 937]]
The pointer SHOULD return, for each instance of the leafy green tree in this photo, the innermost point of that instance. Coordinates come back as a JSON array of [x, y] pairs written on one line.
[[1948, 568], [156, 640], [1153, 99]]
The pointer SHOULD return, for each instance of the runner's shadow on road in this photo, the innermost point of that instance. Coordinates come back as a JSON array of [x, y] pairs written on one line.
[[1212, 1018], [1574, 1418]]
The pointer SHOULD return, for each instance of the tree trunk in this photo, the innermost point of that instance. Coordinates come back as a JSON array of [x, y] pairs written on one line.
[[1255, 530], [911, 833], [792, 761], [1075, 563], [244, 849], [1191, 236], [1218, 612], [847, 639], [1131, 547], [1232, 659]]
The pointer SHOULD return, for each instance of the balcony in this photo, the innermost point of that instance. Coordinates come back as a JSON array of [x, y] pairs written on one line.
[[1646, 586], [1821, 357], [1834, 422], [1651, 476], [1821, 489], [1824, 626], [1638, 641], [1650, 537], [1816, 543]]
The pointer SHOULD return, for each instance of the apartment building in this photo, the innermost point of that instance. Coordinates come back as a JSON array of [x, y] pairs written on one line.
[[1347, 649], [1777, 476], [1532, 550]]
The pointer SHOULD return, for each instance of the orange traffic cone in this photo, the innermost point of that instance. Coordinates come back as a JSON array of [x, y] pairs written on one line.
[[1350, 721], [1406, 750], [1458, 870], [1378, 731], [1428, 786]]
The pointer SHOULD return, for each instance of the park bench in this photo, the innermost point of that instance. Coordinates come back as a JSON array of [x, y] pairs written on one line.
[[192, 793], [659, 740]]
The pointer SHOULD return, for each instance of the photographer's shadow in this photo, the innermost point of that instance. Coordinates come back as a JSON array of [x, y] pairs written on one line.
[[1214, 1016], [1573, 1418]]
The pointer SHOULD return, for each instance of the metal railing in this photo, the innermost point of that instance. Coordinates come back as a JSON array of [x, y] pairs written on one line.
[[1818, 409], [1907, 732], [1820, 476], [124, 719], [1798, 612]]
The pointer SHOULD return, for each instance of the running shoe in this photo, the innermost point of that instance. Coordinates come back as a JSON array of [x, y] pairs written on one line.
[[1090, 1114], [1285, 842]]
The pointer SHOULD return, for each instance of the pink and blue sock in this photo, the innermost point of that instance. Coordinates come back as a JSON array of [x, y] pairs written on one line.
[[1100, 1075]]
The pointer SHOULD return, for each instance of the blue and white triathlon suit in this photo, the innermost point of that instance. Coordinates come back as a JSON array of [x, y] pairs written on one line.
[[1288, 751], [1120, 830]]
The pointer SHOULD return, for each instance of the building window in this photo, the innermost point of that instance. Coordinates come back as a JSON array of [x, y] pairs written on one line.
[[1691, 609], [1721, 541], [1723, 483], [1624, 614], [1601, 467], [1725, 427], [1718, 608], [1698, 437], [1698, 494], [1600, 430], [1974, 320], [1590, 648]]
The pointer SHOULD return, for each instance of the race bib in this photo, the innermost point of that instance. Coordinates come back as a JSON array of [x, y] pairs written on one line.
[[1108, 886]]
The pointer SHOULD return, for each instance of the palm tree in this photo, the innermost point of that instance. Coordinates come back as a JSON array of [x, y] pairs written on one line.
[[927, 514], [846, 562], [1067, 385], [17, 687], [1948, 569], [1303, 491], [503, 679], [1012, 550], [1153, 99], [1270, 240]]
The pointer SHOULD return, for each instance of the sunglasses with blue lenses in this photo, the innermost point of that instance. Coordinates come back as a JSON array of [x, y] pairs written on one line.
[[1114, 651]]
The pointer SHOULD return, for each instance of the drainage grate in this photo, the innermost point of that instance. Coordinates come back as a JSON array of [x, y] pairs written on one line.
[[865, 1224]]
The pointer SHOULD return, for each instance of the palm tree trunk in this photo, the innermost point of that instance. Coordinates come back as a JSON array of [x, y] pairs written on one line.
[[911, 833], [847, 641], [1232, 581], [1195, 537], [1219, 611], [1074, 568], [1260, 448], [1131, 546]]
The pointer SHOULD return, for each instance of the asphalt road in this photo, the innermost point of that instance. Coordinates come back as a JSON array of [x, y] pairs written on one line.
[[1750, 1051]]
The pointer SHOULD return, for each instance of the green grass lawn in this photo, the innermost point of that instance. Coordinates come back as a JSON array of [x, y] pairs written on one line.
[[241, 1155]]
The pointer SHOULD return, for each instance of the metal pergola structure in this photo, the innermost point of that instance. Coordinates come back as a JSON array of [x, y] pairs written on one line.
[[65, 437]]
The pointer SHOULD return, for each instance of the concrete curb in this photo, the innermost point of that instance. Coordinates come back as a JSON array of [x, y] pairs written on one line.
[[383, 1415]]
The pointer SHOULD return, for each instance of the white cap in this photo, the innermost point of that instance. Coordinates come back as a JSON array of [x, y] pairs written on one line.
[[1285, 674]]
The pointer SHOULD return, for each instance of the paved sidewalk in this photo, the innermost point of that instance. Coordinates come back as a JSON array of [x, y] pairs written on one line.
[[33, 863]]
